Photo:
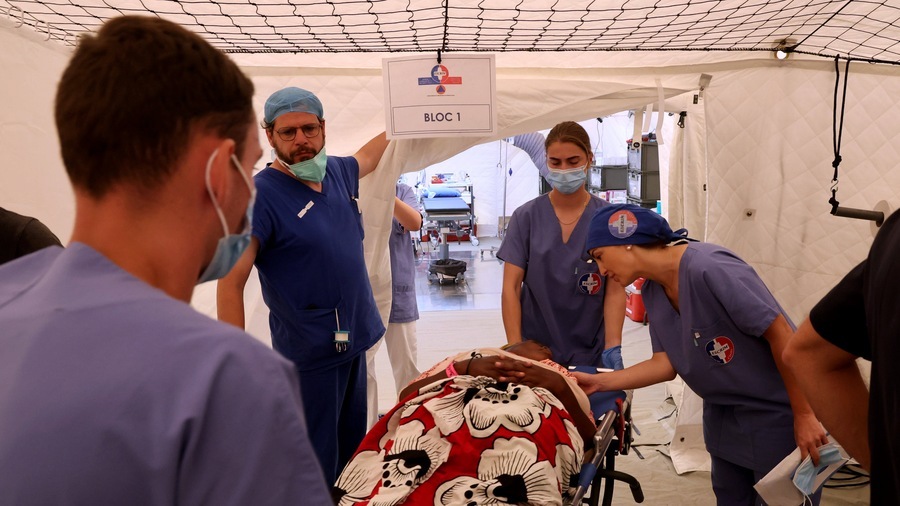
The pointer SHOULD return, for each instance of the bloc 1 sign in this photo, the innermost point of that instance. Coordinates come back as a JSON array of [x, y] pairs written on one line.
[[424, 98]]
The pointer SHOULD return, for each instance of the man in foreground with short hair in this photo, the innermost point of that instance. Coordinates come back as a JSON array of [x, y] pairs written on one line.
[[113, 390]]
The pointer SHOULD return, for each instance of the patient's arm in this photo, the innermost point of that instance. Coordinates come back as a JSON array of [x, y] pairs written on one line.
[[478, 366], [528, 374]]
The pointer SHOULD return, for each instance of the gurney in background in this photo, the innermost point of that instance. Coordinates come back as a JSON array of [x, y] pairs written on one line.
[[446, 215]]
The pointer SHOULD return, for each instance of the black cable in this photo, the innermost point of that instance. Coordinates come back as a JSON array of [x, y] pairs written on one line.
[[849, 476]]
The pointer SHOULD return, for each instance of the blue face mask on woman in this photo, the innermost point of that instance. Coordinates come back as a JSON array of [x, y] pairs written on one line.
[[310, 170], [567, 181], [230, 246]]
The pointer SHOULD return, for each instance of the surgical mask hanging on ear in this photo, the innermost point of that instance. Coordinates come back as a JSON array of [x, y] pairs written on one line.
[[567, 181], [231, 246], [310, 170]]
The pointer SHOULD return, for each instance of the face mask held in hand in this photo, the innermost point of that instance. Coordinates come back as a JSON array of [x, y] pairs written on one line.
[[793, 481], [806, 475]]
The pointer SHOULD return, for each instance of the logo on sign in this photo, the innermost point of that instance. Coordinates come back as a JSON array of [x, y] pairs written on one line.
[[721, 349], [590, 283], [441, 77], [622, 224]]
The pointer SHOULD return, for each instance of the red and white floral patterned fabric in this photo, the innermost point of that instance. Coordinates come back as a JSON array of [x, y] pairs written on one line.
[[580, 396], [467, 440]]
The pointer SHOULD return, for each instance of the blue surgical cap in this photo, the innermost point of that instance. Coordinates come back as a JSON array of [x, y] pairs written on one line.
[[621, 224], [291, 100]]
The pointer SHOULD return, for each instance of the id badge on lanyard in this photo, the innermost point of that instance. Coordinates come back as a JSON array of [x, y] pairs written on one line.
[[341, 337]]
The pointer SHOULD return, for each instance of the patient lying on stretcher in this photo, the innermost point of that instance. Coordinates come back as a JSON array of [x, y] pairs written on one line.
[[461, 434]]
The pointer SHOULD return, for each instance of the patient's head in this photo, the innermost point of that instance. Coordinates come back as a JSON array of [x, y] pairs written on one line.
[[535, 350]]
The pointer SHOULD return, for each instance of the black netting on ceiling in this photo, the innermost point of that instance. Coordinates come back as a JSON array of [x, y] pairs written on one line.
[[856, 29]]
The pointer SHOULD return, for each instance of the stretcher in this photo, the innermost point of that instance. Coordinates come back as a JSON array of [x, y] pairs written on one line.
[[448, 215], [613, 437], [445, 215]]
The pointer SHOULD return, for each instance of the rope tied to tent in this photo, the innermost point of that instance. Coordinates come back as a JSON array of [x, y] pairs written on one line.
[[837, 129], [837, 132], [446, 29]]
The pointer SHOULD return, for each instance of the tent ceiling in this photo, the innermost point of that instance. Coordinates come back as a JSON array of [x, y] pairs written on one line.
[[856, 29]]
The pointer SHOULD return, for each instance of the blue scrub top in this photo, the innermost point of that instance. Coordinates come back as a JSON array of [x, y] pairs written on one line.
[[403, 265], [562, 294], [112, 392], [311, 265], [715, 344]]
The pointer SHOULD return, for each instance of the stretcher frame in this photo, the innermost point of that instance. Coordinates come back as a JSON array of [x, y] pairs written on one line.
[[599, 475], [447, 214]]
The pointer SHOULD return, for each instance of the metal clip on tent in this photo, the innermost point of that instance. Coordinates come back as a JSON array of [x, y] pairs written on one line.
[[850, 212]]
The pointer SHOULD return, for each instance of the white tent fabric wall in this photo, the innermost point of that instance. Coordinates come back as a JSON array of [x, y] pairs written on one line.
[[770, 150], [765, 145], [685, 204], [32, 180]]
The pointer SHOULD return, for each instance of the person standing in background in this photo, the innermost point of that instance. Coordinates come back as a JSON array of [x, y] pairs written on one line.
[[400, 336], [307, 246], [551, 293], [21, 235]]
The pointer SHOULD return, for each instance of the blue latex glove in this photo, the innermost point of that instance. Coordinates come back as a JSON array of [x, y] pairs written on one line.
[[612, 358]]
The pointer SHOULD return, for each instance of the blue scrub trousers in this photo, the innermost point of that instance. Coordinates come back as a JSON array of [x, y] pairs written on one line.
[[733, 484], [334, 402]]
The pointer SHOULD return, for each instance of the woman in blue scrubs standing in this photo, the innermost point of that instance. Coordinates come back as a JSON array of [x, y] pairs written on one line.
[[550, 293], [713, 322]]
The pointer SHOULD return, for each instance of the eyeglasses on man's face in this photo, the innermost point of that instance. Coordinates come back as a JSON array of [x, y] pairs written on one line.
[[290, 133]]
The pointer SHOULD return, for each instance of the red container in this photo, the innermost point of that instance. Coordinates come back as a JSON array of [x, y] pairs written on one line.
[[634, 302]]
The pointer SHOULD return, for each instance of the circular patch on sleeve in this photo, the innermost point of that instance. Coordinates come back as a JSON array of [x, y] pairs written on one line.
[[622, 224], [590, 283], [721, 349]]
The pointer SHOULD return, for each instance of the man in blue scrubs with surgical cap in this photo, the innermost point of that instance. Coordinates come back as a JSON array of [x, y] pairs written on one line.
[[307, 246], [715, 323], [113, 390]]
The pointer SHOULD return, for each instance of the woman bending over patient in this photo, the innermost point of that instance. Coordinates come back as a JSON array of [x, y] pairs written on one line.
[[714, 322]]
